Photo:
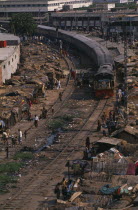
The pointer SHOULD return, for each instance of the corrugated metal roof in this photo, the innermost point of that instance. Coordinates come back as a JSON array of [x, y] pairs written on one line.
[[128, 129], [6, 36], [107, 140]]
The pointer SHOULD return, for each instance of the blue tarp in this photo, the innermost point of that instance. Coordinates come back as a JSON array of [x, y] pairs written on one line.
[[106, 190]]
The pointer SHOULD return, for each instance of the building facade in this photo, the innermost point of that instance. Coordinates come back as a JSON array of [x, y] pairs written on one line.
[[107, 22], [9, 56], [38, 8], [112, 1]]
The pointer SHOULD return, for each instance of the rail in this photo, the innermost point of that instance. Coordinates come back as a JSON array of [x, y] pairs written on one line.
[[22, 196]]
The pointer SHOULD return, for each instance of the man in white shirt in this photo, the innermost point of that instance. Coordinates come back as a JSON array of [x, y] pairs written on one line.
[[20, 135], [36, 119], [58, 85]]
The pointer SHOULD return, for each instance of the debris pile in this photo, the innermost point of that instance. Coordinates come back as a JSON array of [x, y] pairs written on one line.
[[40, 69]]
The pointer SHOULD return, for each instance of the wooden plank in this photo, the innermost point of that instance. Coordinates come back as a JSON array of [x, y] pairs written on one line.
[[74, 196], [61, 201]]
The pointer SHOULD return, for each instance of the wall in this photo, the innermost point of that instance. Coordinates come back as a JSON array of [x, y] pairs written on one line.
[[9, 66]]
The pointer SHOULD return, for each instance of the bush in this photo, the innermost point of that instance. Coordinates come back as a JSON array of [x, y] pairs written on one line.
[[23, 156], [4, 180], [55, 124], [60, 122], [10, 167]]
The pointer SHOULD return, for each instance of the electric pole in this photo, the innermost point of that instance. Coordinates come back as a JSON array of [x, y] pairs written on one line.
[[125, 73]]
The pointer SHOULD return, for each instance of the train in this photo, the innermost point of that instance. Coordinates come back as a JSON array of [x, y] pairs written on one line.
[[103, 79]]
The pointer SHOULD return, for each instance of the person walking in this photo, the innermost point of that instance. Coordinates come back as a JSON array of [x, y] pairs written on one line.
[[52, 110], [13, 140], [36, 119], [58, 85], [57, 190], [20, 135], [44, 113], [60, 46], [5, 137], [103, 118], [25, 134], [60, 96], [99, 126], [110, 115], [104, 133], [87, 143]]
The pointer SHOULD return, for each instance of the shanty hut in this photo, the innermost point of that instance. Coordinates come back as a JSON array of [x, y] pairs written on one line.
[[129, 134], [105, 143], [13, 108]]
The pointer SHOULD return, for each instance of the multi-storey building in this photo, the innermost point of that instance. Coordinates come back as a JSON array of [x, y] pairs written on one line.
[[9, 56], [38, 8]]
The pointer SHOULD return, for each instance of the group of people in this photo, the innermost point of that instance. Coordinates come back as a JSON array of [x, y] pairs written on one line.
[[107, 121], [14, 140], [64, 188]]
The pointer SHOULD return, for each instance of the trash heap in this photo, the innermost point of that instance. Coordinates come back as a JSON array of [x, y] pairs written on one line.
[[39, 70], [132, 84], [13, 107], [106, 180]]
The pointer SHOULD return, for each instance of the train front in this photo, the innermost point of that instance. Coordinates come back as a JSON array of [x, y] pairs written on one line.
[[104, 82]]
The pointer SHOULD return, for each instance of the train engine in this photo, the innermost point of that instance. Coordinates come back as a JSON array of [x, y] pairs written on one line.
[[104, 81]]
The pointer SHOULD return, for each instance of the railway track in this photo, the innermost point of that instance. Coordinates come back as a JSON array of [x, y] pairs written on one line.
[[57, 106], [22, 197]]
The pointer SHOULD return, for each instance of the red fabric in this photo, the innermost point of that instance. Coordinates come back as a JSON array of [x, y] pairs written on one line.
[[73, 74], [136, 164], [131, 169]]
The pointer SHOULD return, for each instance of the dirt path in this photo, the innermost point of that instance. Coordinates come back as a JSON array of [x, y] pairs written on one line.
[[35, 189], [42, 182]]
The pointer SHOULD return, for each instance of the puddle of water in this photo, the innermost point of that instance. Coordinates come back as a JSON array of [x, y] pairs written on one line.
[[49, 141]]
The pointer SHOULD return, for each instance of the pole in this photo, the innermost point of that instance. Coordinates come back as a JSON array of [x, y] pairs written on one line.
[[125, 73], [68, 173], [7, 150]]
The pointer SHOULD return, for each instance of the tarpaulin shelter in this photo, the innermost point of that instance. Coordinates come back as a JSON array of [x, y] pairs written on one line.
[[12, 109]]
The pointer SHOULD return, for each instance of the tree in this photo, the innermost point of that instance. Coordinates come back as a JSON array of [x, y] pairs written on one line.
[[23, 24]]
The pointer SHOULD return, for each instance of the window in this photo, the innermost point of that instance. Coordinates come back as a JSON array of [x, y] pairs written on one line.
[[12, 59], [15, 56], [4, 66], [9, 62]]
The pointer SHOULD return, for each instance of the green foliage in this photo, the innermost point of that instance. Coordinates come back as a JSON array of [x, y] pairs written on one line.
[[131, 5], [23, 24], [10, 167], [4, 180], [23, 156], [42, 158], [67, 118], [60, 122], [55, 124]]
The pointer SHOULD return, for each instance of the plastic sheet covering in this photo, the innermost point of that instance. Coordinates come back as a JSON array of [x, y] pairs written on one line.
[[2, 123], [106, 190]]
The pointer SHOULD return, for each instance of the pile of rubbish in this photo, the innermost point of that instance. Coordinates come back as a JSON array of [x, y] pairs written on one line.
[[39, 70]]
